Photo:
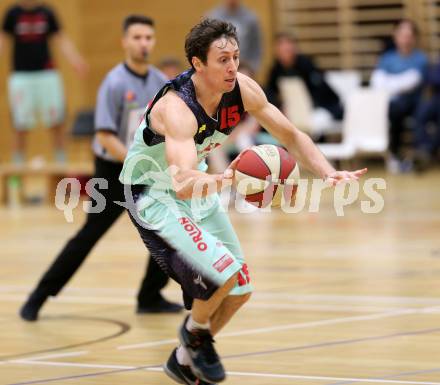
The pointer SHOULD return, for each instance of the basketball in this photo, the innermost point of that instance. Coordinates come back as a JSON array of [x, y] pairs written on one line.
[[267, 175]]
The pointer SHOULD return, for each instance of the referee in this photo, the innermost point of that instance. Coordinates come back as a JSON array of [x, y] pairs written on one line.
[[126, 88]]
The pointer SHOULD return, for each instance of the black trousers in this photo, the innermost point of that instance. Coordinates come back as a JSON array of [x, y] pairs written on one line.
[[77, 248], [401, 108]]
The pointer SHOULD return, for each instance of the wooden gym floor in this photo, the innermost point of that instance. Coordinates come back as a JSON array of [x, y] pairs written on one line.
[[338, 300]]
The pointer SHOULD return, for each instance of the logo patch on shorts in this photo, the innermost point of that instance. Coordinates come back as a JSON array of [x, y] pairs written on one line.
[[223, 263], [194, 232], [198, 281], [243, 276]]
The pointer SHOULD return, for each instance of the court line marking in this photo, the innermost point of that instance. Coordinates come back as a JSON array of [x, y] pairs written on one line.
[[122, 368], [148, 344], [387, 376], [301, 347], [322, 378], [303, 325], [123, 328], [333, 343], [86, 375], [252, 305], [308, 297], [58, 355], [70, 364], [233, 373], [321, 307], [353, 298]]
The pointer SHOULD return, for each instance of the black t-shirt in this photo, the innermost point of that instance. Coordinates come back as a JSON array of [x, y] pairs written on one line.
[[30, 29]]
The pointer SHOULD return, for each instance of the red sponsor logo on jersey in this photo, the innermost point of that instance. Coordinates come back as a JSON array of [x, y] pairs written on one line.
[[194, 232], [210, 147], [243, 276], [230, 117], [223, 263]]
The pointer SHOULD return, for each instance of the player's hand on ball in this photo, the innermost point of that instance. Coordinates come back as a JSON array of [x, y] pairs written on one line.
[[338, 177], [230, 171]]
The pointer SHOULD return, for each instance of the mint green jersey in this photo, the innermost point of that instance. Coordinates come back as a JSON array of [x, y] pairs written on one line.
[[146, 162]]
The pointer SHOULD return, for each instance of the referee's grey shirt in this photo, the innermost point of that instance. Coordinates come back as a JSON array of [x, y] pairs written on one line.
[[121, 92]]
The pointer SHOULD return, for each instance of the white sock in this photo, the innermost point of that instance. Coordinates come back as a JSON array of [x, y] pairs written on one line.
[[191, 324], [183, 356]]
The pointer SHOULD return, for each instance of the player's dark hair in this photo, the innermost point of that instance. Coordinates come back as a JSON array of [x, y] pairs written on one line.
[[136, 19], [201, 36]]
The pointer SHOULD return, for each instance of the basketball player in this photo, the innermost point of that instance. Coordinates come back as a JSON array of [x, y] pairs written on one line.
[[126, 87], [184, 229]]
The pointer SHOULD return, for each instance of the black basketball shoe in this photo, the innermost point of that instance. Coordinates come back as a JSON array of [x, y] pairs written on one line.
[[206, 363], [180, 373]]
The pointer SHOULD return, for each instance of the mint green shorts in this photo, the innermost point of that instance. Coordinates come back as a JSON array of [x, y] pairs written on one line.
[[36, 96], [195, 244]]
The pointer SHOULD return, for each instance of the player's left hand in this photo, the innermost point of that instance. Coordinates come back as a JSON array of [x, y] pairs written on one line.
[[230, 171], [338, 177]]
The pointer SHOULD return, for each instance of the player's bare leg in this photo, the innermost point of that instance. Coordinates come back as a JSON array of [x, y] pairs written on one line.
[[226, 310], [197, 350], [202, 311]]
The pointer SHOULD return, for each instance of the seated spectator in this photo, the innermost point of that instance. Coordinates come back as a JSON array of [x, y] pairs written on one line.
[[289, 62], [170, 66], [427, 123], [401, 72]]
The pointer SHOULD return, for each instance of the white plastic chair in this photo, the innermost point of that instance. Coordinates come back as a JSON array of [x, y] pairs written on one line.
[[298, 107], [364, 128], [344, 83], [297, 103]]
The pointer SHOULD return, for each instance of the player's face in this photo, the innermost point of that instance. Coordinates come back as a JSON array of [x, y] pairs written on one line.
[[222, 63], [139, 41]]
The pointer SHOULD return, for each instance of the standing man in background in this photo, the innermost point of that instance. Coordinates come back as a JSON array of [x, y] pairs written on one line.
[[35, 86], [248, 30], [126, 88]]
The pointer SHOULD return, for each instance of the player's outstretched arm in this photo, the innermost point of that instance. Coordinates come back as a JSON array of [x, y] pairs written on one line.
[[179, 127], [297, 143]]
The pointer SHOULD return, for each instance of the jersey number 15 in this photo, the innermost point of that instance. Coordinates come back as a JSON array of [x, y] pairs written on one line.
[[229, 117]]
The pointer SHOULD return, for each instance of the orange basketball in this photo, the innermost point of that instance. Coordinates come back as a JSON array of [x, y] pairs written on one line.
[[267, 174]]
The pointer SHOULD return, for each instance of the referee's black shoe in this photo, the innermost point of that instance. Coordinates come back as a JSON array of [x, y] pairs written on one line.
[[206, 363], [180, 373], [160, 306]]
